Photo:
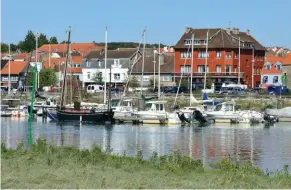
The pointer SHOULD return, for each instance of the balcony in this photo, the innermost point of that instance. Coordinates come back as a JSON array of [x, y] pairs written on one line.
[[212, 74]]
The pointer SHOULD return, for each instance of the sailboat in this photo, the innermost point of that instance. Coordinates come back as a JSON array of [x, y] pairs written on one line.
[[76, 113]]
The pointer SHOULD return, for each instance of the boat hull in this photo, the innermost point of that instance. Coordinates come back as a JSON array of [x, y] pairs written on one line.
[[98, 116]]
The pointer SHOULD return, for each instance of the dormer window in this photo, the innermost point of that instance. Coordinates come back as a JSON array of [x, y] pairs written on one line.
[[278, 66], [268, 66], [116, 62], [196, 42], [187, 42]]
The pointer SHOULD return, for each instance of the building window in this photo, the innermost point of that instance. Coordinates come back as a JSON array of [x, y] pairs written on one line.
[[275, 79], [268, 66], [14, 78], [202, 54], [4, 78], [228, 54], [235, 54], [99, 63], [218, 68], [278, 67], [227, 68], [166, 78], [77, 77], [197, 42], [185, 54], [188, 42], [88, 75], [185, 69], [218, 54], [88, 63], [265, 79], [116, 62], [201, 69], [116, 76]]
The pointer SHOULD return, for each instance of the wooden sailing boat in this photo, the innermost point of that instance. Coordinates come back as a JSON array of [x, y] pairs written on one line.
[[78, 114]]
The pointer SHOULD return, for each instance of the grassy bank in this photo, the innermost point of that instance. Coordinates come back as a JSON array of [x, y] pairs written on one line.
[[45, 166]]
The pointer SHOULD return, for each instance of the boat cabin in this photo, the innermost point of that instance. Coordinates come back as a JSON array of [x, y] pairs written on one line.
[[155, 106], [226, 106]]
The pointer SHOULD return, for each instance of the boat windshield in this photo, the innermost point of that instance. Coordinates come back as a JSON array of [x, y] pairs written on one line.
[[229, 107], [147, 106], [218, 107], [114, 103]]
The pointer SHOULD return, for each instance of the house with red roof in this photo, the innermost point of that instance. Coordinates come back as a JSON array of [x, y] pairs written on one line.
[[272, 71], [17, 73]]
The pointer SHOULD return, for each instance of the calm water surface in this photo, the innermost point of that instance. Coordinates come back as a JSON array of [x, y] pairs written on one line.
[[265, 147]]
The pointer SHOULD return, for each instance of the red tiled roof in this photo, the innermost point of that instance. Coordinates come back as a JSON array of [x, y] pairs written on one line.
[[82, 47], [273, 60], [21, 56], [52, 63], [77, 59], [287, 59], [15, 68]]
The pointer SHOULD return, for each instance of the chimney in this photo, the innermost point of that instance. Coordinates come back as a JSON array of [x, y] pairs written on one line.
[[187, 29], [228, 30], [235, 30], [248, 32]]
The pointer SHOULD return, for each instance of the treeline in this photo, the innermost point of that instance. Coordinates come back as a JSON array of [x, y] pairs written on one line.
[[115, 45], [28, 43]]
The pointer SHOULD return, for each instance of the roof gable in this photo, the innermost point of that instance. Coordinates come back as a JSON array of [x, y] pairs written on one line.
[[15, 67]]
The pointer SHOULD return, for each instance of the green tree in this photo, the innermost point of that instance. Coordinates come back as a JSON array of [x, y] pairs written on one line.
[[47, 77], [184, 83], [133, 82], [152, 83], [28, 44], [53, 40], [4, 48], [29, 79], [97, 78], [13, 47], [42, 39], [209, 83]]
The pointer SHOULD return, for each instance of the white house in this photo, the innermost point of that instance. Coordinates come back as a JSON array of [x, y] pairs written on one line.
[[118, 60]]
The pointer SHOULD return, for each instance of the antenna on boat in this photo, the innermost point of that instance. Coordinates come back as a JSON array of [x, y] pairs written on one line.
[[143, 51], [65, 69], [105, 65]]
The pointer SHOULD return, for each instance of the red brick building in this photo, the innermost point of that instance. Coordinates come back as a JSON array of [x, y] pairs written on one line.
[[223, 55]]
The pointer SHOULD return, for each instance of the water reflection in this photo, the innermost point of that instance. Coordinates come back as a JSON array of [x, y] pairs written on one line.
[[265, 147]]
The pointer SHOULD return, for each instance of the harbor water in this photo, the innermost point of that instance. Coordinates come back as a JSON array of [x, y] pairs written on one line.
[[266, 147]]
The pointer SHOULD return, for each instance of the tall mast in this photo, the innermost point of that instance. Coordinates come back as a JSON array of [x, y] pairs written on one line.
[[49, 55], [9, 81], [238, 82], [192, 60], [206, 58], [142, 69], [159, 87], [105, 65], [65, 69], [154, 69]]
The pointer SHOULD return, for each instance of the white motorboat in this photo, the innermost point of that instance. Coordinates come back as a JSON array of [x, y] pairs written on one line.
[[280, 113], [223, 112], [250, 116], [4, 111], [154, 112], [125, 111]]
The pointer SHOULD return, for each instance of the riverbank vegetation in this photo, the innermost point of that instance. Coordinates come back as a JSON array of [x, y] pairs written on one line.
[[46, 166]]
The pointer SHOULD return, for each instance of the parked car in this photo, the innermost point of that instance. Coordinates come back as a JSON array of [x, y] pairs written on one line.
[[95, 88], [165, 89], [181, 89], [237, 91], [277, 90]]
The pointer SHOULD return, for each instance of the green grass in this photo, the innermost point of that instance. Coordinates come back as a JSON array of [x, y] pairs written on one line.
[[46, 166]]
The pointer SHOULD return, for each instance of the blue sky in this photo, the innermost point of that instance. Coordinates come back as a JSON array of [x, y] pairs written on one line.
[[269, 21]]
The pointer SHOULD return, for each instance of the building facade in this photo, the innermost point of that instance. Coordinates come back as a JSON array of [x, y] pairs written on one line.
[[272, 71], [118, 64], [222, 56]]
